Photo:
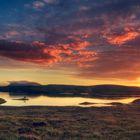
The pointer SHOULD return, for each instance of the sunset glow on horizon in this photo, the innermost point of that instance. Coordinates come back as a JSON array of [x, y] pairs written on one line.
[[75, 42]]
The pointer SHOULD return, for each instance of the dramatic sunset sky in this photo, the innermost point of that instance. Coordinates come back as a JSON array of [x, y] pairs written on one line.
[[81, 42]]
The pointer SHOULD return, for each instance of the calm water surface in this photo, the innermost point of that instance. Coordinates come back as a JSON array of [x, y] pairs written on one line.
[[59, 101]]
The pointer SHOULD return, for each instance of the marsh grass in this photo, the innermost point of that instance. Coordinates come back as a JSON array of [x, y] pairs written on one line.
[[70, 123]]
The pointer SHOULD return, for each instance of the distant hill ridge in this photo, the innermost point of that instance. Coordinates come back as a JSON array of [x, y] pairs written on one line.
[[23, 83], [101, 91]]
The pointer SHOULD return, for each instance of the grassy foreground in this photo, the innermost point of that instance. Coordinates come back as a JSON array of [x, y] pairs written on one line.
[[70, 123]]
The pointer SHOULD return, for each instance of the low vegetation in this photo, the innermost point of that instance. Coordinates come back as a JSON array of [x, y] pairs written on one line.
[[70, 123]]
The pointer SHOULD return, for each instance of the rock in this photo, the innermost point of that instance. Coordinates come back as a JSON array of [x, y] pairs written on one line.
[[24, 130], [2, 101], [24, 98], [87, 103], [39, 124], [115, 103], [136, 102]]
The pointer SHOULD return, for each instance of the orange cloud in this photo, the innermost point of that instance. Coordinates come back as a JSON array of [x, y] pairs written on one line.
[[42, 53], [122, 38], [69, 52]]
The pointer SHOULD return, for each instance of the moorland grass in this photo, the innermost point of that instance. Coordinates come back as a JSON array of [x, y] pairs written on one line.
[[70, 123]]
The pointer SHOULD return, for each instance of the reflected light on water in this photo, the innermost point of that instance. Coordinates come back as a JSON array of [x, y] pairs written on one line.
[[60, 101]]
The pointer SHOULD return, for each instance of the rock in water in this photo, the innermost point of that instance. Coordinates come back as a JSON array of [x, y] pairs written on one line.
[[136, 102], [2, 101]]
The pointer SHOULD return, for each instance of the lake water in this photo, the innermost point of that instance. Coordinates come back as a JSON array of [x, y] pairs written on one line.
[[59, 101]]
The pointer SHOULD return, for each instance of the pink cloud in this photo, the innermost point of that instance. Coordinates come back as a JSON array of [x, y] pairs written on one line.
[[38, 5]]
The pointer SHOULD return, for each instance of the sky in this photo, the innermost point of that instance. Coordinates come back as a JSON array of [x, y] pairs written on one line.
[[80, 42]]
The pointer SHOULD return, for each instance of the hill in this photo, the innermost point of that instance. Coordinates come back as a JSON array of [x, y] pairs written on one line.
[[99, 91]]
